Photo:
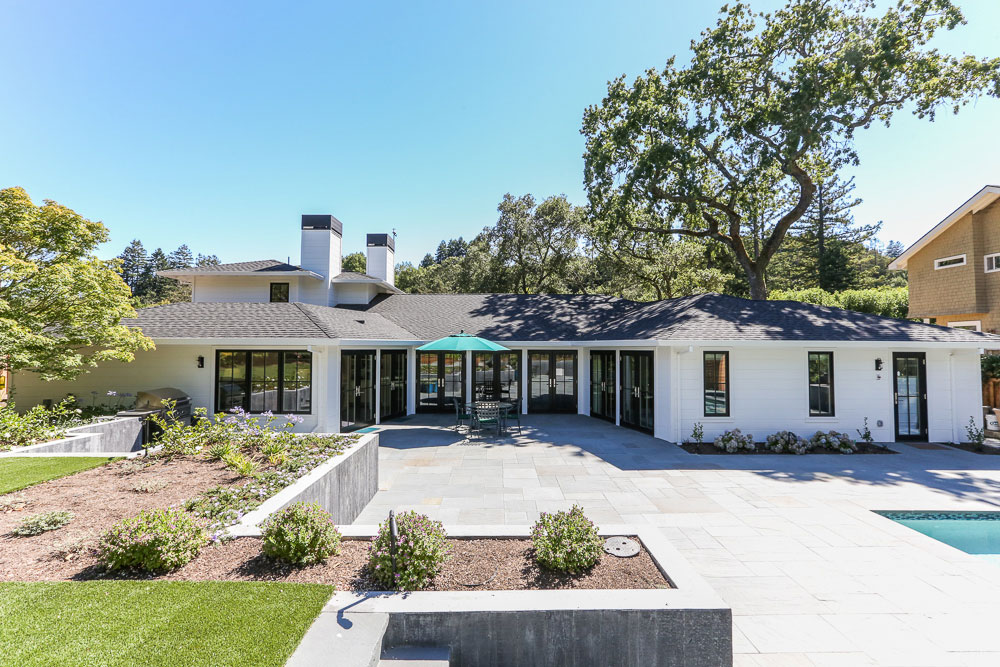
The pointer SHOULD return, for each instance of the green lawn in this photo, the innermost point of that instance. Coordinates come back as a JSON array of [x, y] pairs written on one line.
[[19, 472], [150, 623]]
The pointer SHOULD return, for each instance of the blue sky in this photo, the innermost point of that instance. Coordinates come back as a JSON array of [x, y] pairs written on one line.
[[217, 124]]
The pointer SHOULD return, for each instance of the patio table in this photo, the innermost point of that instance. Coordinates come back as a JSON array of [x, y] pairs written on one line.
[[504, 408]]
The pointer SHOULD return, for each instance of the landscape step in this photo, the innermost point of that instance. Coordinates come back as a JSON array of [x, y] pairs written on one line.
[[416, 656]]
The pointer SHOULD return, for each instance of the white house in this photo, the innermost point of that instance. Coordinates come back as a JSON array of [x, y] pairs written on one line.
[[340, 349]]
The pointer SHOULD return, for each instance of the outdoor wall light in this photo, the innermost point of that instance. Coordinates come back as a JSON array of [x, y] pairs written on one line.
[[201, 361], [878, 364]]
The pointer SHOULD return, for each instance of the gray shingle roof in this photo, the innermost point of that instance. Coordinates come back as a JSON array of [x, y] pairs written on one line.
[[261, 265], [542, 317], [354, 275]]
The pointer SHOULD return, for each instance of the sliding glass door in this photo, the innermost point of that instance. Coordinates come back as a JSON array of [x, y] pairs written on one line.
[[357, 389], [602, 385], [637, 390], [441, 380], [552, 381], [392, 398], [497, 376]]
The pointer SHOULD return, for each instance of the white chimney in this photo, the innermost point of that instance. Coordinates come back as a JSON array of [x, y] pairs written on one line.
[[322, 241], [381, 257]]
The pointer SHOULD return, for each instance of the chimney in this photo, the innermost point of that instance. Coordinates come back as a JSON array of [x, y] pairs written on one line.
[[381, 257], [322, 240]]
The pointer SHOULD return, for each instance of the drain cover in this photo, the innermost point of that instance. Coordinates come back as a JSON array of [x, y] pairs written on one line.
[[622, 547]]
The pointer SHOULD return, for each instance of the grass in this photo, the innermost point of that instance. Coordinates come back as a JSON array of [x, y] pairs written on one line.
[[155, 623], [20, 472]]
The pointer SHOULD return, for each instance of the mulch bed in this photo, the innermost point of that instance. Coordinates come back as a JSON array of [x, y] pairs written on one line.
[[98, 498], [975, 449], [709, 448]]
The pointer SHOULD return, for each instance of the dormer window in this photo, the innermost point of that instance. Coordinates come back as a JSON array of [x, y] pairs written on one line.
[[279, 292], [949, 262]]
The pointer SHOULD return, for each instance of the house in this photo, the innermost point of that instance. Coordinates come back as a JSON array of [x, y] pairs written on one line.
[[340, 349], [953, 270]]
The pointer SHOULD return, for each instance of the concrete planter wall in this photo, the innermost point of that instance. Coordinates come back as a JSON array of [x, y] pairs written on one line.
[[121, 435], [687, 626], [342, 486]]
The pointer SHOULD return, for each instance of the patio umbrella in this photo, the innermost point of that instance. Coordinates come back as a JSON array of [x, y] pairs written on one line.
[[462, 342]]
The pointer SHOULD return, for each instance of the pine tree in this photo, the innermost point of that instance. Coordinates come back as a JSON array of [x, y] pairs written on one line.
[[180, 258], [134, 261], [206, 260]]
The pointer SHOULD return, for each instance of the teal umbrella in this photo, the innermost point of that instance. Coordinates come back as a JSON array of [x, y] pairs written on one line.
[[462, 342]]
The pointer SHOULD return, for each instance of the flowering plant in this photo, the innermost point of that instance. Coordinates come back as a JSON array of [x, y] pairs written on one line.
[[155, 541], [566, 541], [301, 534], [786, 441], [735, 440], [421, 550], [834, 440]]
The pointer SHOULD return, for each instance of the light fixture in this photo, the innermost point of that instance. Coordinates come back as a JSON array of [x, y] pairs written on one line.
[[201, 361], [878, 364]]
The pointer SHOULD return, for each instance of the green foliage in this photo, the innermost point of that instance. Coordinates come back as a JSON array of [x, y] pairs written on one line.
[[786, 441], [356, 262], [698, 433], [243, 465], [566, 541], [20, 472], [38, 424], [734, 440], [138, 270], [731, 147], [301, 534], [60, 306], [975, 433], [885, 301], [420, 552], [221, 449], [841, 442], [276, 452], [865, 433], [990, 366], [42, 523], [155, 623], [158, 540]]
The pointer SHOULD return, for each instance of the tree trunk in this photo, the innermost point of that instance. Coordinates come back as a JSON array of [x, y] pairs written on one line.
[[758, 283]]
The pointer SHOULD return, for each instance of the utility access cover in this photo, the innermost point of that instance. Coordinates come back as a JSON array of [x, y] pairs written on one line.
[[623, 547]]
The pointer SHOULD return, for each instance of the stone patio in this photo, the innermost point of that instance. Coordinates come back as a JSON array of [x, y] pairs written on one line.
[[813, 576]]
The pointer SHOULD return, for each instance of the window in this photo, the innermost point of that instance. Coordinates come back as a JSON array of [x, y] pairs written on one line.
[[972, 325], [263, 380], [948, 262], [992, 262], [716, 384], [821, 384], [279, 292]]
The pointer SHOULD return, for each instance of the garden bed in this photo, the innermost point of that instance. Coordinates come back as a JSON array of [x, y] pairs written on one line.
[[761, 448], [974, 448]]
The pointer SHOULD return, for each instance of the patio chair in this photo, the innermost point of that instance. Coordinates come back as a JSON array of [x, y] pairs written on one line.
[[513, 413], [460, 414], [487, 416]]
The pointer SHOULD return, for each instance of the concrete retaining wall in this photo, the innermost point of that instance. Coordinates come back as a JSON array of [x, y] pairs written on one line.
[[342, 486], [121, 435], [685, 626]]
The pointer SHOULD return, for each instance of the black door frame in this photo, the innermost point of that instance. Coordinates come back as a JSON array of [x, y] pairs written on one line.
[[496, 375], [382, 382], [922, 376], [357, 388], [552, 384], [606, 354], [621, 384], [441, 404]]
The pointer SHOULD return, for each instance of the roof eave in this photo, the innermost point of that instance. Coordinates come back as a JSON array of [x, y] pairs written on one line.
[[183, 273]]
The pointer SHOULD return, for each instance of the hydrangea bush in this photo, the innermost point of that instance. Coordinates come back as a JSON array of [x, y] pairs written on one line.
[[42, 523], [156, 540], [842, 442], [566, 541], [300, 534], [786, 441], [735, 440], [421, 550]]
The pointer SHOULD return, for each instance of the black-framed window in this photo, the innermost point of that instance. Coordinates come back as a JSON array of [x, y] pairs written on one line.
[[716, 374], [278, 381], [279, 292], [821, 384]]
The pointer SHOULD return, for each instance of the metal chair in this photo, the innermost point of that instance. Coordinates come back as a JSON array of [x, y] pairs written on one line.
[[460, 414], [487, 415], [513, 413]]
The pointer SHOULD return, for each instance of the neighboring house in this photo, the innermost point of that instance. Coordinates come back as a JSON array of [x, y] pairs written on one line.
[[954, 269], [340, 349]]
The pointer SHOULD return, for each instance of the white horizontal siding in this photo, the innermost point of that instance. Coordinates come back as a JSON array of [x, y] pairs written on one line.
[[244, 289]]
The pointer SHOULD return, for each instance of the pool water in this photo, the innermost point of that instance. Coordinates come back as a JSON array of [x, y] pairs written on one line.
[[976, 533]]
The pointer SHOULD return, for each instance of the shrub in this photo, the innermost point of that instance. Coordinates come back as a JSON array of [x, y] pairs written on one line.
[[865, 433], [178, 438], [834, 440], [566, 541], [276, 452], [154, 541], [735, 440], [220, 450], [786, 441], [421, 550], [301, 534], [975, 434], [885, 301], [698, 433], [37, 424], [42, 523]]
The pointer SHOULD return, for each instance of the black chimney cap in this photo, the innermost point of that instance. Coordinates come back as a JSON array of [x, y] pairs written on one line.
[[382, 240], [323, 222]]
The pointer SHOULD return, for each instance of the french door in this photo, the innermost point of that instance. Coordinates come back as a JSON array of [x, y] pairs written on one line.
[[392, 399], [637, 390], [602, 385], [552, 381], [497, 376], [909, 370], [357, 389], [441, 378]]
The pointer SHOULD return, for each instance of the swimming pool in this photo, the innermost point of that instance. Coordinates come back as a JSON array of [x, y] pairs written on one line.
[[976, 533]]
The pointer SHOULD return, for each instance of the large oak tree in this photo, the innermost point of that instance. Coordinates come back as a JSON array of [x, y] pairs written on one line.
[[702, 148]]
